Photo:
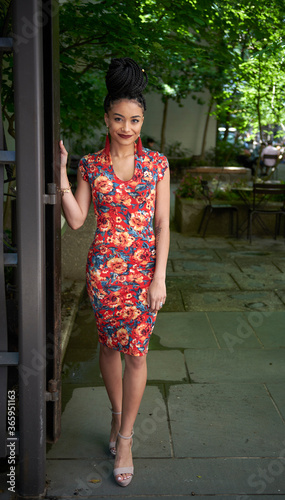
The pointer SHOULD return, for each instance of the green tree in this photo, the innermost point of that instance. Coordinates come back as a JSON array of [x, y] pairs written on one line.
[[232, 49], [151, 32], [251, 95]]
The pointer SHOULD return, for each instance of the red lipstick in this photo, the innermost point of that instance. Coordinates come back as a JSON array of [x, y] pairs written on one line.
[[125, 136]]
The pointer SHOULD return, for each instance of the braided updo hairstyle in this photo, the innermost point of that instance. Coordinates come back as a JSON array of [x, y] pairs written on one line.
[[125, 80]]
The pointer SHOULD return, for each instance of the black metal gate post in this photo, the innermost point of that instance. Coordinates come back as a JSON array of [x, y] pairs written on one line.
[[53, 216], [6, 358], [3, 318], [28, 78]]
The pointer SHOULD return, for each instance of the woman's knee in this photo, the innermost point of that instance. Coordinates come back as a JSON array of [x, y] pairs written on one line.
[[108, 352], [135, 362]]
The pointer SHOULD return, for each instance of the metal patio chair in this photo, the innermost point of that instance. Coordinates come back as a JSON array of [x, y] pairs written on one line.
[[210, 208], [261, 195]]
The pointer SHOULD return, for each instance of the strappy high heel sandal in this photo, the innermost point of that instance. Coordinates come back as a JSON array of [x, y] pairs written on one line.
[[124, 470], [112, 444]]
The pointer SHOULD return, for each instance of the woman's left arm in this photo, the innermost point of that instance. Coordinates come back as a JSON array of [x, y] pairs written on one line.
[[157, 289]]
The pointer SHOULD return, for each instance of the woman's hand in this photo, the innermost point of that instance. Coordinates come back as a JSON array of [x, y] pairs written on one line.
[[156, 294], [63, 156]]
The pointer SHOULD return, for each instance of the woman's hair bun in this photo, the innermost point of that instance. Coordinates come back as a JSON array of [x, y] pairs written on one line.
[[125, 78]]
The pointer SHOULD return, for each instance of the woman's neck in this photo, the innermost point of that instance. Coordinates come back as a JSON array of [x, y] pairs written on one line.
[[121, 151]]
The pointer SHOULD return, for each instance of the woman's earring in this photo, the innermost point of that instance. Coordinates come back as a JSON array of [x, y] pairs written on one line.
[[107, 143], [139, 147]]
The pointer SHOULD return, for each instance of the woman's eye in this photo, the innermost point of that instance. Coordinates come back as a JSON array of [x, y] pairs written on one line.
[[117, 119], [135, 120]]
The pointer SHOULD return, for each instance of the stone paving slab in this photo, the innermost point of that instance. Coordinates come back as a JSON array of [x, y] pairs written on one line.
[[84, 328], [170, 478], [252, 266], [174, 300], [185, 330], [151, 436], [224, 420], [81, 372], [280, 264], [200, 281], [211, 243], [190, 266], [232, 416], [166, 366], [260, 251], [71, 295], [271, 330], [254, 281], [200, 254], [184, 255], [190, 497], [277, 392], [182, 242], [86, 427], [231, 301], [235, 365], [233, 328], [74, 261], [281, 296]]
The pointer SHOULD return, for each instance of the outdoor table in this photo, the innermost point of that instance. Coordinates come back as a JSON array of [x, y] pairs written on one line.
[[245, 194]]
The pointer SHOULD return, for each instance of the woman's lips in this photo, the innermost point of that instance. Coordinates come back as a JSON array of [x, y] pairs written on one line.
[[125, 136]]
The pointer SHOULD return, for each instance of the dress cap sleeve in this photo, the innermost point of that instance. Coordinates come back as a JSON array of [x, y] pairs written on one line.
[[163, 165], [83, 167]]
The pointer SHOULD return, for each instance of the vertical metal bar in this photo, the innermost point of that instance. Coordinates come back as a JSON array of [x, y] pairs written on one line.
[[3, 326], [53, 212], [28, 22], [3, 315]]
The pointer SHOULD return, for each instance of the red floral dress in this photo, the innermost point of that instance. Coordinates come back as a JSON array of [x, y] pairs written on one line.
[[121, 259]]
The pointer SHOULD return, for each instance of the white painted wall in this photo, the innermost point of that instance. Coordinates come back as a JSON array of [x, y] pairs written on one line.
[[184, 124]]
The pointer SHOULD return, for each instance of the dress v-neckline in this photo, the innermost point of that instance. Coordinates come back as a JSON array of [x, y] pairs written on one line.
[[114, 173]]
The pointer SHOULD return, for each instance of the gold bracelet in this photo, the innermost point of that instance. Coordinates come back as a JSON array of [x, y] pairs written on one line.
[[65, 190]]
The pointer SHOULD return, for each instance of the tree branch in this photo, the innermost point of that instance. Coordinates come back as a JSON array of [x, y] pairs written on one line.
[[80, 44]]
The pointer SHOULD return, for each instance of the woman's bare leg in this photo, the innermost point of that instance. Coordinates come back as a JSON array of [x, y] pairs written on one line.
[[134, 382], [111, 369]]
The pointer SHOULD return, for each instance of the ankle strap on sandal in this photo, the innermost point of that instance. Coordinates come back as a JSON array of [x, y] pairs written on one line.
[[115, 412], [126, 437]]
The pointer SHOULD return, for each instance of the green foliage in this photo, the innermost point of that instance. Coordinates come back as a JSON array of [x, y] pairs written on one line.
[[190, 187], [156, 34], [175, 150], [178, 166], [224, 154], [233, 49]]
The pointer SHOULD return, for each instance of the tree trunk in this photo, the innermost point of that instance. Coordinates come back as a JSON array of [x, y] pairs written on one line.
[[206, 130], [227, 126], [226, 133], [258, 104], [163, 126]]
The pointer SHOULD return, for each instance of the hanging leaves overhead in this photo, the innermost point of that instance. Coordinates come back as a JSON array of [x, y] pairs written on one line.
[[230, 50]]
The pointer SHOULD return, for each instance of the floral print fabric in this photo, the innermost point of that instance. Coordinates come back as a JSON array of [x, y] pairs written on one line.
[[121, 259]]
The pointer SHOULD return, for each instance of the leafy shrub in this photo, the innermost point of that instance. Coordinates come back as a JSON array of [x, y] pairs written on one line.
[[222, 155], [190, 187]]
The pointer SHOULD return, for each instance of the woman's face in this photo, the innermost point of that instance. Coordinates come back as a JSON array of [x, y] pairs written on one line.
[[124, 119]]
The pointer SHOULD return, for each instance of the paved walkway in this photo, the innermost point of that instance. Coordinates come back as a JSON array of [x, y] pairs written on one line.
[[211, 423]]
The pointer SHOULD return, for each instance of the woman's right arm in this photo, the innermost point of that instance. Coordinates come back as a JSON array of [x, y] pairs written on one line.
[[75, 207]]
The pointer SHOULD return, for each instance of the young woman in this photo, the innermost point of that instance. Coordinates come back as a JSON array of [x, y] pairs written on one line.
[[126, 266]]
